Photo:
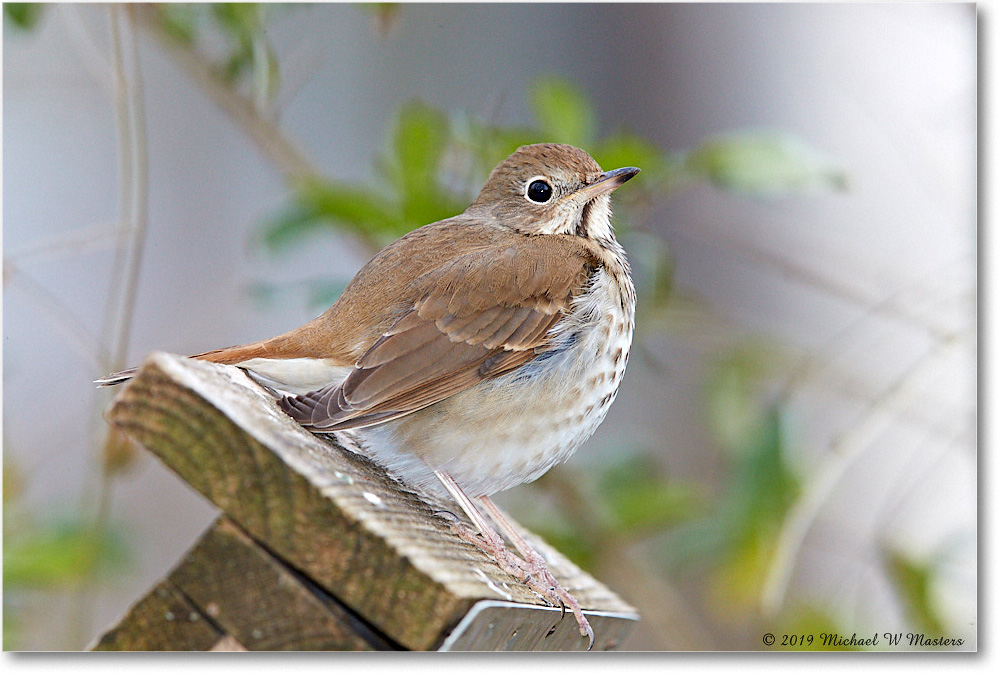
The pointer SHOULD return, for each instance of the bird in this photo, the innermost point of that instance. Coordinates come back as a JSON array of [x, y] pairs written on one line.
[[472, 354]]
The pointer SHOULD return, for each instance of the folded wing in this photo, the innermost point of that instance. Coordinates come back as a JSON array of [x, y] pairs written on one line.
[[483, 314]]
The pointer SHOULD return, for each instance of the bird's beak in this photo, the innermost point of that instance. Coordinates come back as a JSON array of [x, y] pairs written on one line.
[[608, 181]]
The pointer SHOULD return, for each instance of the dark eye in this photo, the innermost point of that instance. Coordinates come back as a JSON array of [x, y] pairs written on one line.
[[539, 191]]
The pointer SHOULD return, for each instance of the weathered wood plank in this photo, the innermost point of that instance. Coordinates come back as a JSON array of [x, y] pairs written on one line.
[[164, 620], [375, 545], [261, 602]]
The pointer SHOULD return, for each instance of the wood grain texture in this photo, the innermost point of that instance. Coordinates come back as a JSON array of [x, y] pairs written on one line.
[[261, 602], [164, 620], [375, 545]]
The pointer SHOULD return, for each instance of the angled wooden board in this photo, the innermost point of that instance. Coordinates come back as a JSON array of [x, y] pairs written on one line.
[[378, 547]]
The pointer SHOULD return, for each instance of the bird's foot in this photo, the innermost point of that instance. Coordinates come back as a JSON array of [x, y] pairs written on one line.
[[536, 566], [492, 545], [533, 572]]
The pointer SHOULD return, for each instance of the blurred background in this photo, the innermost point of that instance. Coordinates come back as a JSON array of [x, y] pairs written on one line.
[[794, 446]]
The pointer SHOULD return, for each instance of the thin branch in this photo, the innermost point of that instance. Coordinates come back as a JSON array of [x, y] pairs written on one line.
[[297, 68], [133, 208], [816, 278], [86, 45], [844, 451], [114, 307], [838, 342], [58, 314], [78, 242], [265, 133], [140, 199]]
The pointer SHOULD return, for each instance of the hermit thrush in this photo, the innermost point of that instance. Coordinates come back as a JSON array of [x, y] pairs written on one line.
[[474, 353]]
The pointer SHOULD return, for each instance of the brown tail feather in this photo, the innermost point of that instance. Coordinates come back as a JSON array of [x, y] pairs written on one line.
[[238, 354], [227, 356]]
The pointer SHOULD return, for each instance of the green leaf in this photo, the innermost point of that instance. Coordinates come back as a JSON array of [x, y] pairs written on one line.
[[763, 164], [736, 412], [23, 15], [570, 543], [913, 581], [290, 226], [763, 488], [741, 527], [626, 149], [241, 20], [563, 113], [242, 23], [58, 554], [419, 138], [239, 61], [362, 210], [495, 144], [640, 498], [179, 20], [318, 203]]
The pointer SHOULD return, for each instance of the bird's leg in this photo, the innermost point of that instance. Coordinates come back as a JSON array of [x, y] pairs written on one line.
[[488, 540], [533, 572], [536, 566]]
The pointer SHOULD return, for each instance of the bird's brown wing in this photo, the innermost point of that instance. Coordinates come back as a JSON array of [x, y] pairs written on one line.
[[483, 314]]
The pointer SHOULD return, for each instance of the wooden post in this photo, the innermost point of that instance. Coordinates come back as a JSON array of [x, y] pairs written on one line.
[[318, 548]]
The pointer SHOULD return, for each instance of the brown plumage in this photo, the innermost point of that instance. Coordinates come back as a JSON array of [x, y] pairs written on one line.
[[477, 315]]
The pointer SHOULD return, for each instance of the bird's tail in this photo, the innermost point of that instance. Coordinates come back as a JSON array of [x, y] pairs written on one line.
[[116, 378], [227, 356]]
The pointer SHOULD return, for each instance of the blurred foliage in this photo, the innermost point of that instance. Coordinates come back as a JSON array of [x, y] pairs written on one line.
[[49, 553], [736, 409], [59, 553], [737, 535], [624, 501], [763, 164], [22, 15], [640, 500], [434, 164], [318, 292], [408, 195], [806, 621], [248, 55], [913, 580], [562, 112]]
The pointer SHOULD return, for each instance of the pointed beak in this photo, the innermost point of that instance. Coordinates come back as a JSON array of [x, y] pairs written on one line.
[[608, 181]]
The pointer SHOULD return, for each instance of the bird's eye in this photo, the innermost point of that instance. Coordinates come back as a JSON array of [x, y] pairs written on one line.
[[539, 191]]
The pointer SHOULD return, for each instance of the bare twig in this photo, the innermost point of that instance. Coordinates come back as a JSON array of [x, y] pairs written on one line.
[[264, 133], [81, 240], [113, 309], [87, 45], [140, 197], [808, 276], [57, 313], [128, 260], [844, 451]]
